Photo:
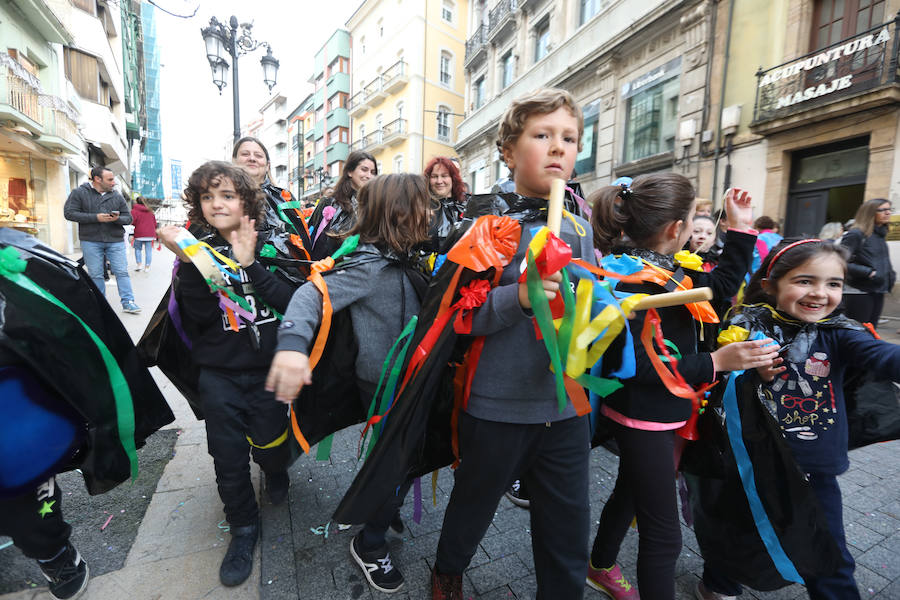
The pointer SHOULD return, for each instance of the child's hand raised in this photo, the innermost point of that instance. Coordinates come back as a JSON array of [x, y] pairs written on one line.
[[739, 356], [551, 287], [738, 209], [288, 374], [167, 236], [243, 241]]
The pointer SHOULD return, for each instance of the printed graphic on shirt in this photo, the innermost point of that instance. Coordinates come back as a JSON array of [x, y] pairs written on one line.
[[804, 398], [261, 313]]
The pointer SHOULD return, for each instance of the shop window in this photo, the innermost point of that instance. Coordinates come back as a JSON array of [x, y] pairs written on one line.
[[651, 119], [23, 195], [586, 160], [542, 39]]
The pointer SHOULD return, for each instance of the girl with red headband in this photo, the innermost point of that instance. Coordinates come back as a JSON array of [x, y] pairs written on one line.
[[790, 299]]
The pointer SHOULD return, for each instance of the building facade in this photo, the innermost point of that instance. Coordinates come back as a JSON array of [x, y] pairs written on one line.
[[642, 83], [39, 122], [272, 130], [297, 156], [149, 176], [407, 77]]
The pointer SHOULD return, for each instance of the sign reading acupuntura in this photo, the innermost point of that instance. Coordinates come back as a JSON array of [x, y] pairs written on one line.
[[778, 87]]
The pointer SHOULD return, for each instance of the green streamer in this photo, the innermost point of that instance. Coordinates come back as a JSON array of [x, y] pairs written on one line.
[[540, 306], [12, 267], [285, 206], [323, 448], [601, 386], [347, 247]]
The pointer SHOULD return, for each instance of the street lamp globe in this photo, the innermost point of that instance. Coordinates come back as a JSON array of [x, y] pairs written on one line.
[[270, 68], [219, 74], [215, 43]]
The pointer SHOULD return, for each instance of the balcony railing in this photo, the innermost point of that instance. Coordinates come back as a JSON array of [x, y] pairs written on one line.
[[477, 44], [500, 16], [395, 132], [59, 124], [357, 103], [23, 96], [360, 144], [394, 77], [864, 62]]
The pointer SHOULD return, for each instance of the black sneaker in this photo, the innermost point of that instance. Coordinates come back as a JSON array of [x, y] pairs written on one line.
[[67, 574], [376, 565], [238, 561], [517, 495], [277, 485]]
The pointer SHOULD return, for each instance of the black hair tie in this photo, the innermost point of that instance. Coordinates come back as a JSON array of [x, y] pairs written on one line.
[[624, 192]]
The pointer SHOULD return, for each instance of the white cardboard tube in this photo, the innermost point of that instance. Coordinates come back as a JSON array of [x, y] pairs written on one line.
[[555, 205]]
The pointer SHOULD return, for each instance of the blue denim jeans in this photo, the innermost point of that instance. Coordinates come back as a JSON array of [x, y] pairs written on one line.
[[144, 247], [94, 255]]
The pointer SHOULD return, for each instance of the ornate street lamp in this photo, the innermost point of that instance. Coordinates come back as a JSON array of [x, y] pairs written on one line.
[[221, 42]]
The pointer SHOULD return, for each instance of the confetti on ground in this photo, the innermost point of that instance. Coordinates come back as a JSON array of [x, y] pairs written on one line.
[[102, 527], [6, 545], [323, 530]]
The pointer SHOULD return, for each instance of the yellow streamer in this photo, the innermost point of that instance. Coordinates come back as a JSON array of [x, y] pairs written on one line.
[[579, 229], [688, 260], [195, 248]]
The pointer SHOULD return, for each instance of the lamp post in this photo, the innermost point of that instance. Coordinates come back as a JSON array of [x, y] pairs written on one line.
[[322, 175], [222, 41]]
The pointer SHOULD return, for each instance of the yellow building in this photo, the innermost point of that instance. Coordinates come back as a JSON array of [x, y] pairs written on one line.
[[407, 80]]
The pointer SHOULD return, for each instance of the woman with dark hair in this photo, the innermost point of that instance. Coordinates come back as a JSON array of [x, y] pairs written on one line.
[[251, 155], [445, 185], [870, 274], [336, 215]]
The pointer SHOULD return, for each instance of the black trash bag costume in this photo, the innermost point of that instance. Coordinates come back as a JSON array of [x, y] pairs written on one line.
[[50, 341], [417, 434], [729, 538], [165, 343]]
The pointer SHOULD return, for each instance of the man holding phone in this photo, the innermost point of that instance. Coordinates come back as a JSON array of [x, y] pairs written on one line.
[[101, 212]]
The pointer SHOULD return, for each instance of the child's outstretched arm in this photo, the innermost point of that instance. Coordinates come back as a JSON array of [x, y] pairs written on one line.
[[166, 235], [288, 374], [737, 256], [860, 349]]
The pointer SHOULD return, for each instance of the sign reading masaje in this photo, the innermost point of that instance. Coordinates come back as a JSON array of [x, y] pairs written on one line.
[[823, 58]]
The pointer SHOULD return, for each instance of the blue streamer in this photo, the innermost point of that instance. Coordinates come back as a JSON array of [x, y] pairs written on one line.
[[785, 567]]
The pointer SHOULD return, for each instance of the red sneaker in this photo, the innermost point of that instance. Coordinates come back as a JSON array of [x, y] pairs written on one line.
[[612, 583], [445, 587]]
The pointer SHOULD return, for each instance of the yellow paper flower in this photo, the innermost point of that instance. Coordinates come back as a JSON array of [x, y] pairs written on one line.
[[688, 260], [734, 333]]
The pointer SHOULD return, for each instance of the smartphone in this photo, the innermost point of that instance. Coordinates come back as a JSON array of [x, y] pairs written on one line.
[[114, 213]]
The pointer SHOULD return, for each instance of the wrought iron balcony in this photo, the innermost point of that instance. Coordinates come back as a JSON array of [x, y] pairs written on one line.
[[866, 62], [395, 77], [502, 18], [476, 46], [395, 132], [357, 104], [19, 97]]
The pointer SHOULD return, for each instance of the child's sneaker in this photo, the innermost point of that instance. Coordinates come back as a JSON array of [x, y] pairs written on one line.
[[517, 495], [131, 307], [67, 574], [701, 593], [376, 565], [612, 583]]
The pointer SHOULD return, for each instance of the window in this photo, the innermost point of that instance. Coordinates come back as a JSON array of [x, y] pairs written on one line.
[[651, 118], [446, 60], [320, 144], [335, 170], [398, 163], [379, 123], [362, 132], [400, 110], [443, 123], [83, 72], [589, 8], [447, 11], [507, 65], [478, 92], [541, 39], [835, 20]]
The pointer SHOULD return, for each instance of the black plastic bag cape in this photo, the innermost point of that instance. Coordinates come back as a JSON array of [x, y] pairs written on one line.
[[417, 434], [165, 344], [772, 534], [56, 324]]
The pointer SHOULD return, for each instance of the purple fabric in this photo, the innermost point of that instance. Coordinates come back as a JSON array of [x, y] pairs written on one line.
[[327, 215], [584, 207], [173, 309], [417, 500]]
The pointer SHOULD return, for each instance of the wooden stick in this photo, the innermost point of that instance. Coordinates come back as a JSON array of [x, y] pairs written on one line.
[[555, 206], [675, 298]]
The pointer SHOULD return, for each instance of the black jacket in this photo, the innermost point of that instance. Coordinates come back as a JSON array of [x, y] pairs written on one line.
[[83, 206], [869, 254]]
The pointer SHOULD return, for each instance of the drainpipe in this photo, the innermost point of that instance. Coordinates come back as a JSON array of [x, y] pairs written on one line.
[[715, 184], [710, 45]]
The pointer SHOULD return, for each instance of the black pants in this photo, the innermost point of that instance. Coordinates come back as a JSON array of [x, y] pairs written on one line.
[[237, 407], [839, 586], [645, 488], [553, 460], [34, 521], [865, 308]]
